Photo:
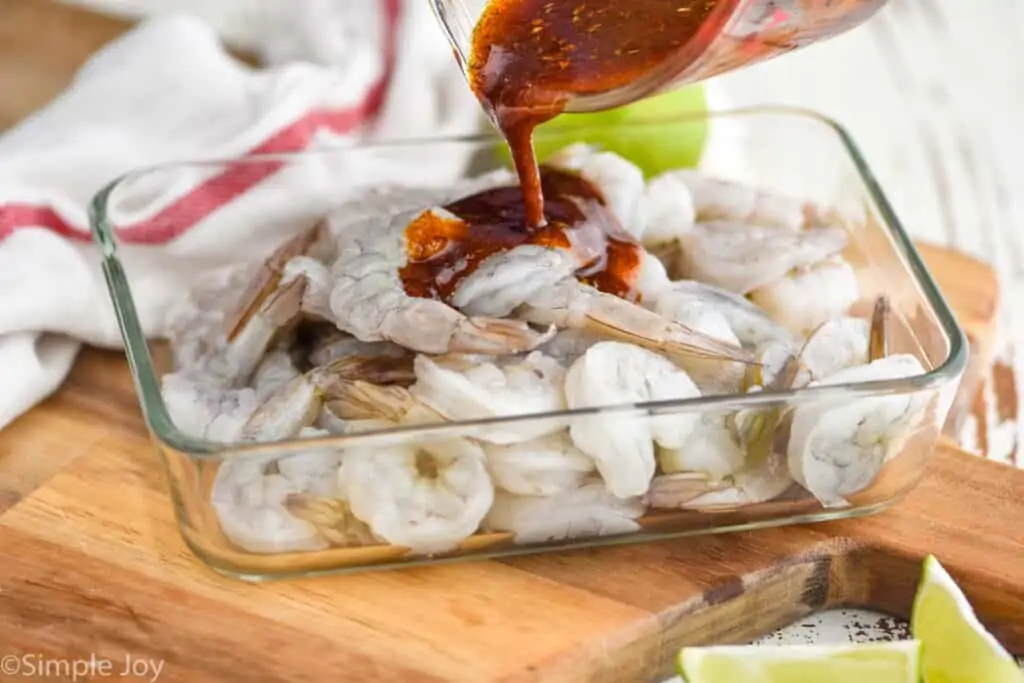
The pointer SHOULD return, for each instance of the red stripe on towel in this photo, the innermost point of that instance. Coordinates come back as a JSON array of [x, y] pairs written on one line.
[[179, 217]]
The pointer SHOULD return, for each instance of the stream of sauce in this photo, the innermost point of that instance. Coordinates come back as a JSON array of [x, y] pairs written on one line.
[[530, 57], [443, 250]]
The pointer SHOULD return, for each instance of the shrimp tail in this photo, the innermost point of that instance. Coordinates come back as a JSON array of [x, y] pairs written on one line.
[[670, 491], [878, 339], [360, 400], [610, 316], [496, 336], [269, 278], [332, 518], [380, 370]]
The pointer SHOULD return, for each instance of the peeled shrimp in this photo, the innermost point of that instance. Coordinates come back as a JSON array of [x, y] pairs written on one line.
[[538, 285], [249, 496], [726, 460], [743, 258], [426, 497], [711, 449], [506, 279], [290, 284], [336, 345], [837, 446], [540, 467], [693, 491], [203, 409], [370, 303], [582, 512], [620, 182], [670, 212], [732, 319], [836, 345], [568, 345], [461, 389], [622, 446], [571, 304], [716, 199], [332, 518], [803, 300], [719, 313], [341, 387], [273, 372]]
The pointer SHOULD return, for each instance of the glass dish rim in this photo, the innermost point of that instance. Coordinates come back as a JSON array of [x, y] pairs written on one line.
[[163, 429]]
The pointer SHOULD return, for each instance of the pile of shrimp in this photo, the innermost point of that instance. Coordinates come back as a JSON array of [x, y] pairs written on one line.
[[741, 291]]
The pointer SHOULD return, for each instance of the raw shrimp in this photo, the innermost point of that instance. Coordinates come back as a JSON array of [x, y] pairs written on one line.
[[670, 213], [539, 285], [288, 286], [837, 446], [616, 374], [273, 372], [202, 408], [327, 344], [693, 491], [461, 389], [776, 370], [836, 345], [346, 387], [249, 496], [810, 296], [540, 467], [195, 324], [332, 518], [711, 449], [620, 182], [582, 512], [504, 280], [568, 345], [732, 319], [571, 304], [727, 460], [719, 313], [426, 497], [716, 199], [370, 303], [743, 258]]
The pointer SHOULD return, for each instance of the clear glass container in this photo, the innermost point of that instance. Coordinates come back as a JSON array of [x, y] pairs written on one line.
[[291, 191], [736, 33]]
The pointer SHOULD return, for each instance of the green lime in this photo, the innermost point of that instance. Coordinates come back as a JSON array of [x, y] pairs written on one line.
[[896, 662], [956, 648], [654, 148]]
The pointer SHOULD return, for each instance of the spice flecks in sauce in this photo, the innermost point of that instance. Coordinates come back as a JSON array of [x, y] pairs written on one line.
[[444, 247], [530, 57]]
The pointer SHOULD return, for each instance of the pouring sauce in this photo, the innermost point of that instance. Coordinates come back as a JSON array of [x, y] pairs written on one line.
[[530, 57], [442, 250]]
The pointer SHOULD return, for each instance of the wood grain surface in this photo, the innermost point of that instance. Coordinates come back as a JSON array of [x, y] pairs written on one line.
[[91, 563]]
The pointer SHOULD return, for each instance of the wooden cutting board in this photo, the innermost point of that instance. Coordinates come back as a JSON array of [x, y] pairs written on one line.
[[92, 568], [91, 564]]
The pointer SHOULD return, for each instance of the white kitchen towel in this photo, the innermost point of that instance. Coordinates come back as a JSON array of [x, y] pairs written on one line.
[[168, 91]]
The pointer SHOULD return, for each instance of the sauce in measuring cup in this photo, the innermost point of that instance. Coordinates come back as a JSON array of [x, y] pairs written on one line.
[[530, 60]]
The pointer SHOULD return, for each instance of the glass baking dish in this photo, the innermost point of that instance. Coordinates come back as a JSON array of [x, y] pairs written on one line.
[[780, 149]]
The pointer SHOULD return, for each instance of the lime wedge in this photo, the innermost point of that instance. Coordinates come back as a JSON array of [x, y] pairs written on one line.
[[850, 663], [956, 648], [654, 149]]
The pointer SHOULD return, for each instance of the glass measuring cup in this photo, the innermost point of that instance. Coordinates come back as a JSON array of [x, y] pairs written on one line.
[[736, 33]]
